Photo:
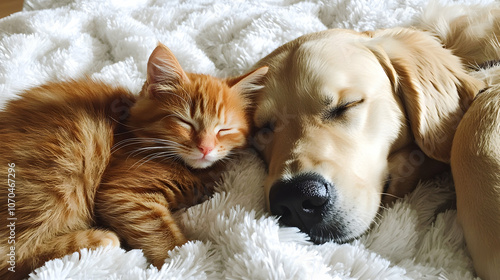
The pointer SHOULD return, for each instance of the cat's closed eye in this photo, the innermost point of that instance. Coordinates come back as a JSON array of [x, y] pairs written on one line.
[[226, 131], [187, 124]]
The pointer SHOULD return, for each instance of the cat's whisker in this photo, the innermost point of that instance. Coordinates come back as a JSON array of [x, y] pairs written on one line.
[[173, 151], [163, 145], [119, 146], [119, 122], [173, 158], [132, 141], [151, 157], [163, 141], [129, 131], [170, 151], [146, 149], [141, 162]]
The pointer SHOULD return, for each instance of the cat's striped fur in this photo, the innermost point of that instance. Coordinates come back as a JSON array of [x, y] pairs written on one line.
[[95, 165]]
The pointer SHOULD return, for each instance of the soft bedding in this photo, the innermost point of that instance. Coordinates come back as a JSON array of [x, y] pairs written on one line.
[[233, 237]]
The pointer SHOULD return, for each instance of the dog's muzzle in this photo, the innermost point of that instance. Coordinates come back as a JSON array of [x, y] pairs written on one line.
[[307, 201]]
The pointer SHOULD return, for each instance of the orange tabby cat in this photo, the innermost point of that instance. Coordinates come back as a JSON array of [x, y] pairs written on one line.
[[89, 165]]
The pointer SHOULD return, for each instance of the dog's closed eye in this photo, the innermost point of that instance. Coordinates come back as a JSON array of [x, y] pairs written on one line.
[[263, 135], [338, 111], [267, 128]]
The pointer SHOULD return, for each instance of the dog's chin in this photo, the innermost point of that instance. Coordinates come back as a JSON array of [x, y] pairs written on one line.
[[321, 235], [337, 227], [334, 227]]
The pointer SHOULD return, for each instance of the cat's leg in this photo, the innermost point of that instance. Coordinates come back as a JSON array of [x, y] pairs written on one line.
[[136, 202], [144, 221], [148, 226], [71, 242]]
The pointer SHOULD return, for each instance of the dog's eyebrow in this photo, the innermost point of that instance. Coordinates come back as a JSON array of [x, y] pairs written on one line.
[[327, 101]]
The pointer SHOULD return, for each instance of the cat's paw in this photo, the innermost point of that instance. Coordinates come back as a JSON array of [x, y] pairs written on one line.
[[110, 239]]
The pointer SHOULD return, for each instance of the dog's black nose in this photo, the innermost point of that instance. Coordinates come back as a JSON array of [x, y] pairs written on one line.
[[301, 201]]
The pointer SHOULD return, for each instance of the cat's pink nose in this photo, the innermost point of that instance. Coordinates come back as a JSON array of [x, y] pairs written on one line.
[[205, 149]]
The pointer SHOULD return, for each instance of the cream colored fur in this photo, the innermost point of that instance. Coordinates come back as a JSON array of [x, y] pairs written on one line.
[[402, 88], [470, 32]]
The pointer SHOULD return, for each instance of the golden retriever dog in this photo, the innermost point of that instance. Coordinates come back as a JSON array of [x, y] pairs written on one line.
[[345, 116], [349, 119]]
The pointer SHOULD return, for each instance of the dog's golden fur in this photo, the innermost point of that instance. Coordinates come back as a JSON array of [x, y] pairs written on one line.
[[472, 34], [363, 108], [405, 89], [476, 171]]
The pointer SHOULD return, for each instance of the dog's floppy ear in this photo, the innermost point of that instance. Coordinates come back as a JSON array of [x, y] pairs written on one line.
[[430, 81]]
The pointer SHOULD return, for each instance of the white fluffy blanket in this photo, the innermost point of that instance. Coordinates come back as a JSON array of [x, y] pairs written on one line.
[[232, 235]]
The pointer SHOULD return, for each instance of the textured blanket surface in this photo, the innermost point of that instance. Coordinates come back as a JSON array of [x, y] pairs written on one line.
[[233, 237]]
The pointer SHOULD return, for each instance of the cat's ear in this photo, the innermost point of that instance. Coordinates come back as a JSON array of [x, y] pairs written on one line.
[[249, 82], [163, 67]]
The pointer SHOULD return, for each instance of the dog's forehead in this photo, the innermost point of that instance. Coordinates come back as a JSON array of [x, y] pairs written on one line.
[[333, 69]]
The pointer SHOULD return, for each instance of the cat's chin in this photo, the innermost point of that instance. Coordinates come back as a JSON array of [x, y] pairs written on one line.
[[200, 163]]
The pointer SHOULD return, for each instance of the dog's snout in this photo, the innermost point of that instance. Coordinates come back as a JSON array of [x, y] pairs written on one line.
[[300, 202]]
